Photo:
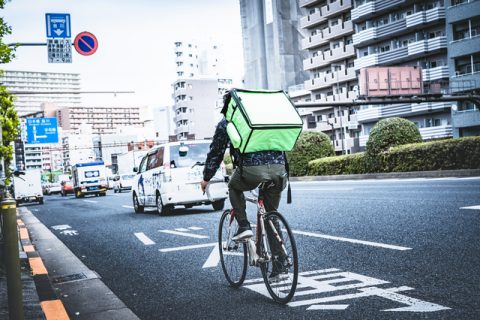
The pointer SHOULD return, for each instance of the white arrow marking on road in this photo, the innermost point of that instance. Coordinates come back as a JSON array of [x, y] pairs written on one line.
[[367, 243], [197, 236], [91, 201], [182, 229], [471, 208], [142, 237], [69, 232], [188, 247], [61, 227], [213, 259]]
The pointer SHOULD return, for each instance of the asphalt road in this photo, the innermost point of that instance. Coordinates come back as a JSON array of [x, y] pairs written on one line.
[[371, 249]]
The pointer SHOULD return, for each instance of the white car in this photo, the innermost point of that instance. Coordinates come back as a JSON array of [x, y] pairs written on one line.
[[123, 182], [170, 175]]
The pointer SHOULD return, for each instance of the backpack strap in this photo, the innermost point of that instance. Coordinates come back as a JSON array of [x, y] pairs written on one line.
[[289, 189]]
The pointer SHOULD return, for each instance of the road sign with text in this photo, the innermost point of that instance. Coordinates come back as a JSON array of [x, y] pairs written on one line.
[[42, 130], [58, 25], [59, 50]]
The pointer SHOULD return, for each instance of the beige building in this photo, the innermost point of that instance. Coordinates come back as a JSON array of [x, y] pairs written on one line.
[[102, 119]]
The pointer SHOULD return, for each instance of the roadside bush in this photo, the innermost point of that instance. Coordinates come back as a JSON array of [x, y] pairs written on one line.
[[345, 164], [389, 133], [310, 145]]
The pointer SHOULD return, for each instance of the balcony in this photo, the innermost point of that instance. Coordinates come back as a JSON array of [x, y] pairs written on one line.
[[425, 17], [363, 140], [435, 73], [366, 61], [371, 8], [181, 116], [327, 57], [423, 46], [326, 34], [368, 115], [436, 132], [426, 107], [467, 118], [325, 12], [375, 34], [181, 129], [330, 79], [306, 3]]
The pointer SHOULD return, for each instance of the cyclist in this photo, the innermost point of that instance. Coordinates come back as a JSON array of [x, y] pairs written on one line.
[[253, 169]]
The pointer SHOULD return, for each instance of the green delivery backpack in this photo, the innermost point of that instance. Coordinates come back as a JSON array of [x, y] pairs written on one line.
[[261, 121]]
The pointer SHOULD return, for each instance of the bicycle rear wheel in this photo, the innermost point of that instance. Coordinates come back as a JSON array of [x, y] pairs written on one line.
[[281, 273], [233, 255]]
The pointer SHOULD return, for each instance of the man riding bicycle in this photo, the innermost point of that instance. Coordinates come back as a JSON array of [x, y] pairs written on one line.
[[253, 169]]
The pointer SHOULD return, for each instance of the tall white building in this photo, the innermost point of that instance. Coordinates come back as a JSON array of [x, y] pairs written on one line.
[[198, 90], [33, 88]]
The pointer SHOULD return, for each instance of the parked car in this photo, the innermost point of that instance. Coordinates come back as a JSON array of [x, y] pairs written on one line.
[[27, 186], [170, 175], [52, 188], [66, 187], [123, 182]]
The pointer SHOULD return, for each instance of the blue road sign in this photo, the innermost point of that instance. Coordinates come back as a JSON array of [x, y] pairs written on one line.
[[58, 25], [42, 130]]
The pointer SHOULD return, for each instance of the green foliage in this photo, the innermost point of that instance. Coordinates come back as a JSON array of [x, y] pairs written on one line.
[[9, 121], [452, 154], [310, 146], [389, 133], [345, 164]]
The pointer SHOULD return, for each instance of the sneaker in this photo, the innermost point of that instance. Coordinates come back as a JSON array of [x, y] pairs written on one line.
[[243, 232], [279, 267]]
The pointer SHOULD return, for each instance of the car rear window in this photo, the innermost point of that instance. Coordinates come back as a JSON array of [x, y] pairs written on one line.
[[197, 152]]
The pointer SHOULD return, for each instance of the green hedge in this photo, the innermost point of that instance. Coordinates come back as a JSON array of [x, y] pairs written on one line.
[[463, 153], [310, 145]]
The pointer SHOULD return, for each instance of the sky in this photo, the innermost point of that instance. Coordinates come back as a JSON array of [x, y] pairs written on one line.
[[136, 42]]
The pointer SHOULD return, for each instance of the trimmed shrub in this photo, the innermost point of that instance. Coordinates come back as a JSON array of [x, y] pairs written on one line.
[[310, 145], [389, 133], [462, 153], [345, 164]]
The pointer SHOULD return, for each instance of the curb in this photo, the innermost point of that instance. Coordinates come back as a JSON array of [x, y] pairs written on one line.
[[395, 175], [52, 307]]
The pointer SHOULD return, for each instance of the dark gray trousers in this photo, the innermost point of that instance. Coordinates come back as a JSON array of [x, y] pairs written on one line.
[[252, 176]]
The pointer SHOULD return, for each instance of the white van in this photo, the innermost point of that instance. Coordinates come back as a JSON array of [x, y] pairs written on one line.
[[27, 186], [170, 175]]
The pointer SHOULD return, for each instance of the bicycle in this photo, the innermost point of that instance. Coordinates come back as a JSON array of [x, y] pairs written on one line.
[[272, 230]]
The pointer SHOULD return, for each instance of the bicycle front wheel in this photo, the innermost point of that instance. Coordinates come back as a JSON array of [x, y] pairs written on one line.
[[281, 273], [233, 255]]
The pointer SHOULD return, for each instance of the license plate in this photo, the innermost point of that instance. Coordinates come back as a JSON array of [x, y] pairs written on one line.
[[93, 188]]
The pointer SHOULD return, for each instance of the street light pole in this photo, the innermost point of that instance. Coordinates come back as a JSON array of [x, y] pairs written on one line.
[[342, 131]]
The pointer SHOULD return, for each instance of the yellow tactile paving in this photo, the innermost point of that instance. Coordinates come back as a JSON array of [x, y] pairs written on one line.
[[28, 248], [37, 266], [24, 234], [54, 310]]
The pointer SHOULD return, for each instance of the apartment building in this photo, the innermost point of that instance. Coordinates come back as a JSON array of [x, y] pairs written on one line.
[[34, 88], [405, 33], [103, 120], [463, 41], [272, 44], [330, 63], [197, 93]]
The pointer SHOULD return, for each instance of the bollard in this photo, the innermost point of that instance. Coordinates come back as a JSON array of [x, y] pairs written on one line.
[[14, 283]]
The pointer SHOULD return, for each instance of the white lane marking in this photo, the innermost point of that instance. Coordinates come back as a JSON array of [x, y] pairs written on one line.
[[367, 243], [189, 247], [471, 208], [128, 207], [69, 232], [322, 189], [197, 236], [182, 229], [328, 307], [61, 227], [213, 259], [195, 228], [91, 201], [142, 237]]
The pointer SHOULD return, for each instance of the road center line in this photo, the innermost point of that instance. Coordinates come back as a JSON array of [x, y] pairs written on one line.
[[142, 237], [178, 233], [91, 201], [128, 207], [471, 208], [367, 243]]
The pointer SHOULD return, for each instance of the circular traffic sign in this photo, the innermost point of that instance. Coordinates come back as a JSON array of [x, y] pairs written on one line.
[[86, 43]]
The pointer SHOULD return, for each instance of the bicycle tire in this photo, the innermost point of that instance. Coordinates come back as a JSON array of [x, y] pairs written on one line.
[[234, 258], [283, 289]]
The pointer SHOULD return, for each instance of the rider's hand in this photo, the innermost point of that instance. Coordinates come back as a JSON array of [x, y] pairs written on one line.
[[203, 185]]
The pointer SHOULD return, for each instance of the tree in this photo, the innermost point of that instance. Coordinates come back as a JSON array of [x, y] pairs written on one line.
[[9, 121], [310, 145]]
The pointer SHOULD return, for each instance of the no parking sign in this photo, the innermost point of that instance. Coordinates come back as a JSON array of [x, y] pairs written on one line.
[[86, 43]]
